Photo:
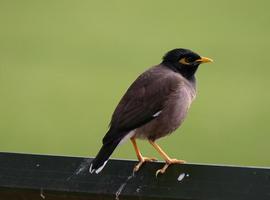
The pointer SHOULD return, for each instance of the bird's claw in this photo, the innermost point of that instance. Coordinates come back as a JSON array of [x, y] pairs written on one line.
[[168, 163], [143, 160], [176, 161], [162, 170]]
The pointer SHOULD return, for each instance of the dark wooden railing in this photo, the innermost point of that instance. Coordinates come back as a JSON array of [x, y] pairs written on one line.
[[31, 177]]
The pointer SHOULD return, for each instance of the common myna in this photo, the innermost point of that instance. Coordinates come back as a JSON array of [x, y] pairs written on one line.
[[154, 106]]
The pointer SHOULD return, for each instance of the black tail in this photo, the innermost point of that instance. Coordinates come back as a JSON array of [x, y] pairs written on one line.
[[102, 157]]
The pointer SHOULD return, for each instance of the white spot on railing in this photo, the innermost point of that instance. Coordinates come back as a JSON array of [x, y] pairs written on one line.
[[42, 193], [138, 189], [122, 186], [182, 176]]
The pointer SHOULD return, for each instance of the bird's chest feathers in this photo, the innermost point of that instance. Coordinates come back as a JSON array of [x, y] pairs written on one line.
[[187, 94], [186, 91], [180, 101]]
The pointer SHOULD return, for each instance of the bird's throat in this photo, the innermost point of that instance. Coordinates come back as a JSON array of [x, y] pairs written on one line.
[[186, 71]]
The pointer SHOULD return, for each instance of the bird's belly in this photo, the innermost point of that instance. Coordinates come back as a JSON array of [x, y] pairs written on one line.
[[171, 117]]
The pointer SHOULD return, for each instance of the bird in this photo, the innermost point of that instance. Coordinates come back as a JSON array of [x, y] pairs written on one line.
[[154, 106]]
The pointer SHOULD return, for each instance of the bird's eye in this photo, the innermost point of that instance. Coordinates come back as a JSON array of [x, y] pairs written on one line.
[[189, 59], [186, 60]]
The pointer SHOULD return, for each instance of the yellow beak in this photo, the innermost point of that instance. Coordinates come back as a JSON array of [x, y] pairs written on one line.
[[204, 60]]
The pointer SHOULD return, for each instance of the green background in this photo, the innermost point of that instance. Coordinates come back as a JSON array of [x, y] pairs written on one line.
[[64, 65]]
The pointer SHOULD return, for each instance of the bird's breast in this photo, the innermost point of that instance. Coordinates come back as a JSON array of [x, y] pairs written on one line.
[[186, 95], [178, 104]]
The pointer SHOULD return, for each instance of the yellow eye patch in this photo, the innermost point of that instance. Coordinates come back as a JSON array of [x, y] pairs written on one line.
[[200, 60], [184, 61]]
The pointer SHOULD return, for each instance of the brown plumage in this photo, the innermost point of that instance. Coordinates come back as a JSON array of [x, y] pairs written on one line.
[[154, 106]]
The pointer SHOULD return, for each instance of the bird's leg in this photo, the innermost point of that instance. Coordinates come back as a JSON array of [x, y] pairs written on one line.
[[139, 156], [168, 160]]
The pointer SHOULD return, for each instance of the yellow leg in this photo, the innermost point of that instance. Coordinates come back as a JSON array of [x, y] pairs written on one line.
[[139, 156], [167, 159]]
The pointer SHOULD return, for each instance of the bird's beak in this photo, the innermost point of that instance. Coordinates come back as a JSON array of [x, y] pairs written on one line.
[[204, 60]]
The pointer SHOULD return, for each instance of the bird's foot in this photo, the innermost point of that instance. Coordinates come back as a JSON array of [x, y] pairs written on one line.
[[143, 160], [168, 163]]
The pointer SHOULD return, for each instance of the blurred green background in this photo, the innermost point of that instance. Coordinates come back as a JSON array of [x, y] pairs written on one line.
[[64, 65]]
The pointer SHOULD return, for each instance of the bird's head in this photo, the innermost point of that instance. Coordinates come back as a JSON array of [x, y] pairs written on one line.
[[184, 61]]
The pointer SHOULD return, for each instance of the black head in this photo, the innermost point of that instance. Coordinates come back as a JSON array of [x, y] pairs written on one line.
[[184, 61]]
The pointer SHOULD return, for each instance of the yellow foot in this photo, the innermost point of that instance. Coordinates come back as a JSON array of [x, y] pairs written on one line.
[[168, 163], [143, 160]]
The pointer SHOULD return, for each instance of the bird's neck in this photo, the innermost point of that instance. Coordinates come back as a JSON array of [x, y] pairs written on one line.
[[192, 81], [187, 72]]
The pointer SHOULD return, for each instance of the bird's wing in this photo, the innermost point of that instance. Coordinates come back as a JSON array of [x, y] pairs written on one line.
[[141, 103]]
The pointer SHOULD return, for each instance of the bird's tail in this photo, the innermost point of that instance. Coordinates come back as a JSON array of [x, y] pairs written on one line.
[[102, 157]]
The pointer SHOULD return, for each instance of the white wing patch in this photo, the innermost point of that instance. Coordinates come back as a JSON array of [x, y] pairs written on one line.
[[157, 113]]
